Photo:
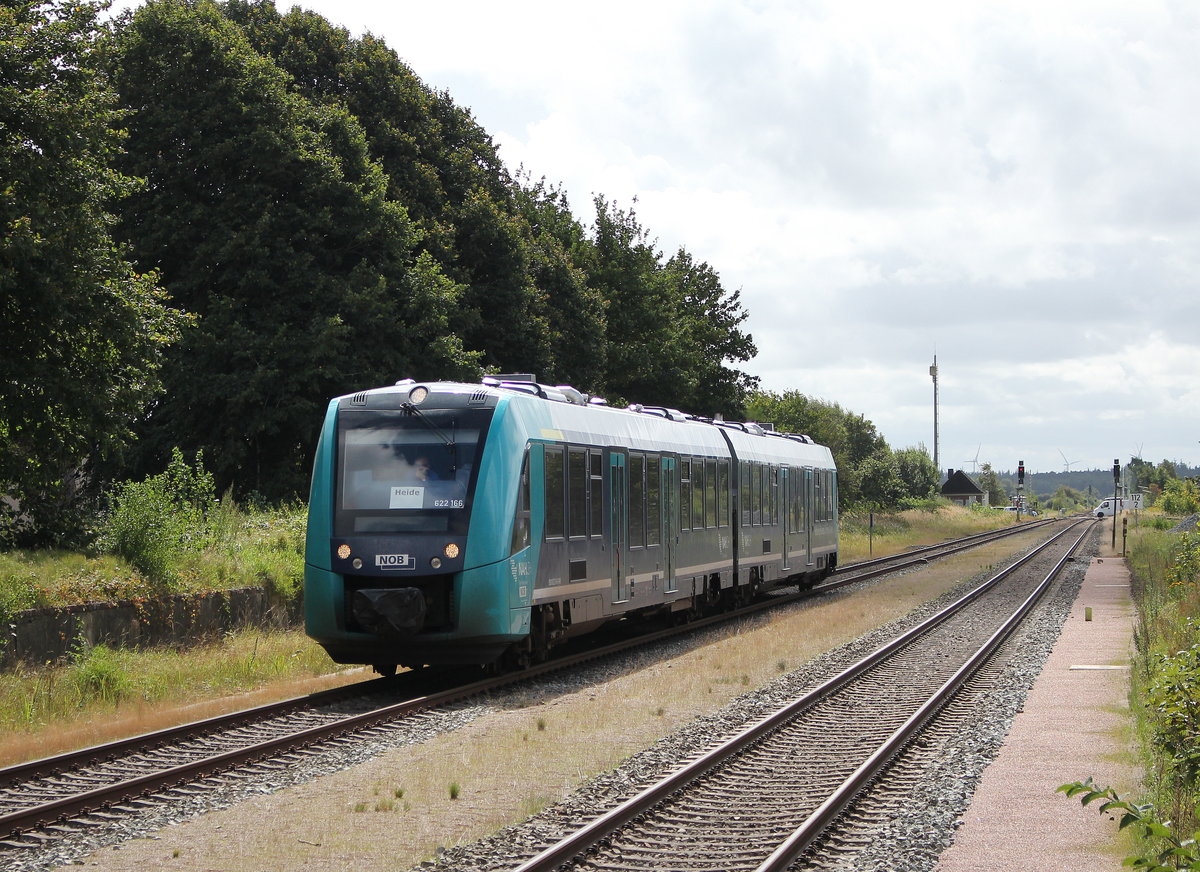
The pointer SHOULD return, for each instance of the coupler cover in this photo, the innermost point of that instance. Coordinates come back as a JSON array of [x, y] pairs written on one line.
[[393, 611]]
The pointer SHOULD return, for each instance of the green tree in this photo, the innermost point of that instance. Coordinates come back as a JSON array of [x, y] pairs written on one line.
[[862, 455], [710, 338], [989, 482], [268, 219], [558, 248], [82, 332], [879, 483], [918, 475], [642, 328], [1067, 499], [1181, 497]]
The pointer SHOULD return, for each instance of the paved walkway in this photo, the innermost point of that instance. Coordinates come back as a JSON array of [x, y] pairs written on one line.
[[1073, 725]]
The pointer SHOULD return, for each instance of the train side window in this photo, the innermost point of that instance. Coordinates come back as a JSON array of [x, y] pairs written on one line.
[[596, 494], [723, 493], [554, 492], [744, 491], [698, 494], [520, 530], [710, 494], [819, 496], [832, 495], [653, 500], [788, 492], [755, 494], [637, 500], [806, 498], [577, 480], [685, 494], [773, 495]]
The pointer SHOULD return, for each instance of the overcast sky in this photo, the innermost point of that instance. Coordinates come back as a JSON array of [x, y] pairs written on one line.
[[1012, 186]]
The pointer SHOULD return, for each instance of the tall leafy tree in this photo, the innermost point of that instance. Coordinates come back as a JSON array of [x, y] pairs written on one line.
[[868, 474], [990, 483], [82, 333], [710, 338], [439, 163], [267, 219], [575, 311], [917, 473]]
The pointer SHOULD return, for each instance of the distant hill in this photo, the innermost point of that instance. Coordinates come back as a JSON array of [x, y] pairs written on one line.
[[1100, 481]]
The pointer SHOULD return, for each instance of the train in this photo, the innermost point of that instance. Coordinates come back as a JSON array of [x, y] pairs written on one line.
[[455, 523]]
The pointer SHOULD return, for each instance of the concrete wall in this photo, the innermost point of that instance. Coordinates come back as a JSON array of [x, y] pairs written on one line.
[[52, 634]]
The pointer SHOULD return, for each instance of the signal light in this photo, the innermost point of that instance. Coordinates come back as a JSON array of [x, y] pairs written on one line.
[[1020, 472]]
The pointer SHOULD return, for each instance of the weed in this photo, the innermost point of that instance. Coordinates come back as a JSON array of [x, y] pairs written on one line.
[[398, 793], [541, 725], [454, 790], [385, 805], [660, 711], [99, 675], [360, 807]]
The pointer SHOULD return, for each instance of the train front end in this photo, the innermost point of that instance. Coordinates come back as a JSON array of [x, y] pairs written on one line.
[[408, 560]]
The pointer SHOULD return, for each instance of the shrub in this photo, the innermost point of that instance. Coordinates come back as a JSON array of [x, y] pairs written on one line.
[[1177, 851], [99, 675], [153, 520], [1174, 698]]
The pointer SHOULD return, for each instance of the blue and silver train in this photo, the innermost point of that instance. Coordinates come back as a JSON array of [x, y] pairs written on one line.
[[486, 523]]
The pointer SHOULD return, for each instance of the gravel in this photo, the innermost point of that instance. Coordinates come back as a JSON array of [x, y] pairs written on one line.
[[932, 805], [927, 818]]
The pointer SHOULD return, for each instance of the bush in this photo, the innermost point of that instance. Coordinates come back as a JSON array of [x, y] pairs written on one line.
[[1174, 699], [98, 675], [152, 521]]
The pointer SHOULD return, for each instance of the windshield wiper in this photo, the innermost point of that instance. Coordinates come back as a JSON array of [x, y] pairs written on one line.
[[448, 441]]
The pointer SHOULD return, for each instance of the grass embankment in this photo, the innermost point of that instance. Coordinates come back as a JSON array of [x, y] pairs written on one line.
[[103, 693], [1164, 698], [1165, 683], [895, 532], [239, 549]]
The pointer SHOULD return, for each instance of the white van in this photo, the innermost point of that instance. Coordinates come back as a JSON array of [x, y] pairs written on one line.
[[1105, 509]]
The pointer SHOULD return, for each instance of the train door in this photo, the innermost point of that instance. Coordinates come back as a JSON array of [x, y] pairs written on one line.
[[618, 524], [807, 502], [670, 539], [785, 490]]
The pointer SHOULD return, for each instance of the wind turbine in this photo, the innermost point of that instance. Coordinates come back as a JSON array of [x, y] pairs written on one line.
[[975, 460], [1066, 462]]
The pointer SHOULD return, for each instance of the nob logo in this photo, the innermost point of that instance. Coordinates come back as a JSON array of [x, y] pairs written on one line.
[[394, 561]]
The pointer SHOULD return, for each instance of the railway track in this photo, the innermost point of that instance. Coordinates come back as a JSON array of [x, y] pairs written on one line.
[[45, 799], [763, 797]]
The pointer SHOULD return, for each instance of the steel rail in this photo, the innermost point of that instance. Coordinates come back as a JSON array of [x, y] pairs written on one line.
[[56, 811], [804, 835], [582, 840], [193, 729], [99, 753]]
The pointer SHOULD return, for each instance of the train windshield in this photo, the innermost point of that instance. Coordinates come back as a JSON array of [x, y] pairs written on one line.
[[407, 472]]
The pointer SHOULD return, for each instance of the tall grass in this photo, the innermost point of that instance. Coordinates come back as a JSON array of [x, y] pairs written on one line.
[[241, 549], [1165, 677], [893, 532], [54, 707]]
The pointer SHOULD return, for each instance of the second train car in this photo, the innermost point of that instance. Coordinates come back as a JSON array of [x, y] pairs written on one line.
[[486, 523]]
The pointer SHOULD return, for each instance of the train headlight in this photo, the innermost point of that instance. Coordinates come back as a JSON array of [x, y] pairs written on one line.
[[451, 551], [343, 551], [417, 395], [436, 563]]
